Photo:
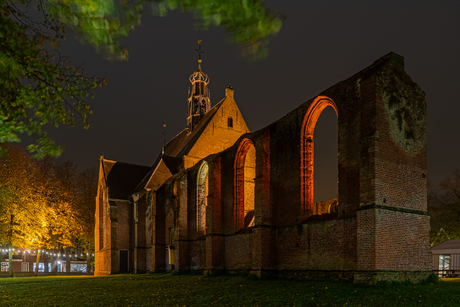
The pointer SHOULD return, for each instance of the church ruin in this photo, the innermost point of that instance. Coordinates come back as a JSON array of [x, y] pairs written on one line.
[[219, 197]]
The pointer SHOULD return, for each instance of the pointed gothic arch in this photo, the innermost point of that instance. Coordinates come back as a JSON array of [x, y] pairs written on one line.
[[202, 199], [307, 151], [244, 186]]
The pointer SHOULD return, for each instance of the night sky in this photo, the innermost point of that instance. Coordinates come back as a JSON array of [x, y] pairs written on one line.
[[319, 45]]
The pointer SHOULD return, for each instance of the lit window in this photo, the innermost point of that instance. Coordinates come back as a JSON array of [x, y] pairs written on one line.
[[4, 267]]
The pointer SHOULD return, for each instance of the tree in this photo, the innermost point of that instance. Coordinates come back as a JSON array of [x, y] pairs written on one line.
[[61, 195], [44, 203], [24, 214], [78, 191], [103, 22], [86, 183], [38, 86], [444, 208]]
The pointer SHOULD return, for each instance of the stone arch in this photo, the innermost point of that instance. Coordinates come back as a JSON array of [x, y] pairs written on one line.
[[202, 198], [307, 151], [244, 186], [332, 208]]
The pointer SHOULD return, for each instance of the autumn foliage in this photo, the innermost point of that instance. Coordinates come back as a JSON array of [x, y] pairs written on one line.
[[44, 203]]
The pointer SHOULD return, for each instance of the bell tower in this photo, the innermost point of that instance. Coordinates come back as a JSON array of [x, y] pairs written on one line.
[[199, 101]]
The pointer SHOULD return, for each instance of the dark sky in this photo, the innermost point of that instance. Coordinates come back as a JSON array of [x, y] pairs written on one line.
[[320, 44]]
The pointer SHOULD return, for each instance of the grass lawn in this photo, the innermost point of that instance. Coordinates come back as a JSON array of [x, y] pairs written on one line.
[[197, 290]]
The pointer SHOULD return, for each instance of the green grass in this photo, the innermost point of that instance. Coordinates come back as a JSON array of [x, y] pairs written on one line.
[[197, 290]]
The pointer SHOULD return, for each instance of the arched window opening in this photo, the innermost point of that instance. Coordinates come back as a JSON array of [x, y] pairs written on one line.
[[245, 173], [333, 207], [325, 162], [202, 199], [307, 163]]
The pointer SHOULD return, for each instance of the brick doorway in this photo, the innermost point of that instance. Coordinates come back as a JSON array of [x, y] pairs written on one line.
[[123, 261]]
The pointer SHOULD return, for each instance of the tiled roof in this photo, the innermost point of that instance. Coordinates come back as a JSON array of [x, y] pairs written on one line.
[[176, 148], [123, 178], [172, 163], [182, 143], [451, 244], [179, 146]]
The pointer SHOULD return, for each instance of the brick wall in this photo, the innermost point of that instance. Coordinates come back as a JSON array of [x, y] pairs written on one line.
[[218, 136], [328, 245], [158, 230], [198, 254], [123, 229], [394, 240], [238, 252], [140, 243]]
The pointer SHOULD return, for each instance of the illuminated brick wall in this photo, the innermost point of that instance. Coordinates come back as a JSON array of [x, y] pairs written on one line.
[[218, 135], [244, 184], [102, 229]]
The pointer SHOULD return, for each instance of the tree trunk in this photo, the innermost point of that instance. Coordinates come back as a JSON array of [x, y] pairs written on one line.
[[67, 259], [46, 263], [88, 263], [10, 259], [10, 248], [37, 262]]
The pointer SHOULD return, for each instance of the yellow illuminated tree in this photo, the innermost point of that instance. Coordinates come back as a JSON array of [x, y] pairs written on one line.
[[43, 203], [24, 214]]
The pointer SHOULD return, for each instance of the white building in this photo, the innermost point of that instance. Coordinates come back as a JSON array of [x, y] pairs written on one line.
[[446, 258]]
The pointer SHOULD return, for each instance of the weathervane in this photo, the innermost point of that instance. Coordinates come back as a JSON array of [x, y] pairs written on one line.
[[199, 53], [165, 132]]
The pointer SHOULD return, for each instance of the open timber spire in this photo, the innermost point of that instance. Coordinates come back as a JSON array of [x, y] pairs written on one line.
[[199, 102]]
